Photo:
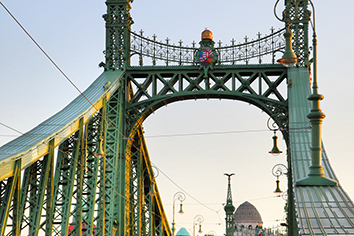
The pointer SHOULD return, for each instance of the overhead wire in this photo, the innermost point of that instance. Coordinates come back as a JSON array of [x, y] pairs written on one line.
[[71, 82], [183, 134], [206, 133], [81, 93], [78, 163], [60, 70], [126, 199], [104, 117], [185, 191]]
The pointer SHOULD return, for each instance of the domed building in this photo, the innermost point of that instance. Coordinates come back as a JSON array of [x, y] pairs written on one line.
[[182, 232], [247, 217]]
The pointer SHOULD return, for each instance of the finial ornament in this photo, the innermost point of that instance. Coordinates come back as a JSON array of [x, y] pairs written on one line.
[[207, 34], [206, 56]]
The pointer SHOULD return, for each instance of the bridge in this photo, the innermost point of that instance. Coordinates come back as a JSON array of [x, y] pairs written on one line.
[[100, 143]]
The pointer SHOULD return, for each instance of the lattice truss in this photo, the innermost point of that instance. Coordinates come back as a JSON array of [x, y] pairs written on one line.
[[85, 193], [299, 15], [155, 87], [118, 22], [164, 53]]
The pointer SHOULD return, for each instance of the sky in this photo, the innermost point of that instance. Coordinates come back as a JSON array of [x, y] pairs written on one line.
[[73, 34]]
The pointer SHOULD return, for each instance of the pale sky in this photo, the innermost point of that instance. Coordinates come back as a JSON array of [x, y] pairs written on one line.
[[73, 34]]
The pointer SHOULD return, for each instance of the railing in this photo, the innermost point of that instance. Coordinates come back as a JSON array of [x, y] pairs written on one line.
[[248, 52]]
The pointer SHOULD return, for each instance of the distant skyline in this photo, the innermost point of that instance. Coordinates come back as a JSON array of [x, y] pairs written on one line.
[[73, 34]]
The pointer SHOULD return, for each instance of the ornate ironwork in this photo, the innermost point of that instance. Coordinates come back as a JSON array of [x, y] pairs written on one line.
[[165, 53], [198, 219], [279, 121], [154, 87], [296, 16], [118, 23], [279, 170], [126, 201], [180, 196]]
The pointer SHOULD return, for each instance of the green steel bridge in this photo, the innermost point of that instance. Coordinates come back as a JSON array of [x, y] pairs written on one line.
[[86, 170]]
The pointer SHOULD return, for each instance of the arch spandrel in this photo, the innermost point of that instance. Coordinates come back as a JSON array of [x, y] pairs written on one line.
[[153, 88]]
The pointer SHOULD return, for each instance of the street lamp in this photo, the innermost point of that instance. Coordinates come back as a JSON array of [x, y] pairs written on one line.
[[279, 170], [316, 176], [273, 127], [289, 59], [198, 219], [181, 197]]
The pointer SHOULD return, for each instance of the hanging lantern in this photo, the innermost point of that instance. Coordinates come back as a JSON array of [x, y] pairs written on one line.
[[275, 150], [289, 59], [181, 209], [200, 229], [277, 190]]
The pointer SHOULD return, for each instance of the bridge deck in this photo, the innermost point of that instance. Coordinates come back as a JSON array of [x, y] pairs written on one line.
[[320, 210]]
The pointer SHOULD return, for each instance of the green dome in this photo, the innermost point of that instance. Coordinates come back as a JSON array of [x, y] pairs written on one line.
[[182, 232], [229, 208]]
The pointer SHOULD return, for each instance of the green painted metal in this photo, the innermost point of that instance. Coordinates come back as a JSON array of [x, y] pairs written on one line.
[[37, 201], [62, 189], [103, 182], [77, 193], [58, 127], [100, 218], [319, 209], [298, 16], [7, 193], [75, 164], [154, 87], [34, 194], [115, 207], [316, 176], [118, 22], [16, 227], [258, 51], [49, 191], [93, 139], [291, 217]]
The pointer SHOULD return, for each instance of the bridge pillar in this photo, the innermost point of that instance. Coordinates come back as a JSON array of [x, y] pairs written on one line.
[[118, 22]]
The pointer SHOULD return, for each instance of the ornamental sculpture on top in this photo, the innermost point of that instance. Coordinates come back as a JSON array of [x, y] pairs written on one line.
[[206, 55]]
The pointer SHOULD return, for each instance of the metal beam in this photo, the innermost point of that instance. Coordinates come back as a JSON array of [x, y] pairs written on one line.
[[7, 193]]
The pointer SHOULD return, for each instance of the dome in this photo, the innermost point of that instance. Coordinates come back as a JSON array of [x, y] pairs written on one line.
[[182, 232], [229, 208], [246, 213], [207, 34]]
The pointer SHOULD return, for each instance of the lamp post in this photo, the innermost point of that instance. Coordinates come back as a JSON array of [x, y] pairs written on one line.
[[289, 58], [316, 176], [181, 197], [198, 219]]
